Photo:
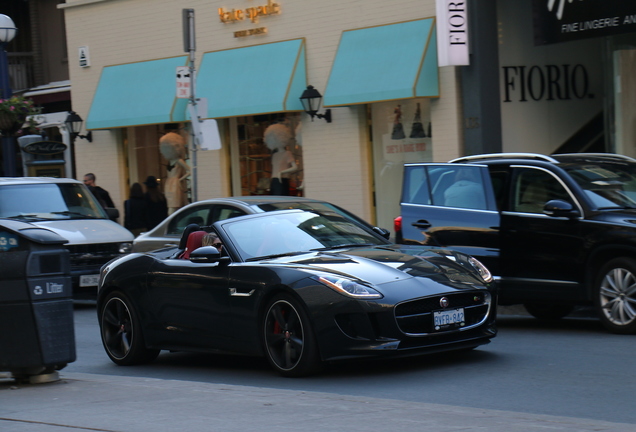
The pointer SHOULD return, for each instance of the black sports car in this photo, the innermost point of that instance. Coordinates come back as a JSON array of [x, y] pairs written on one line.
[[300, 287]]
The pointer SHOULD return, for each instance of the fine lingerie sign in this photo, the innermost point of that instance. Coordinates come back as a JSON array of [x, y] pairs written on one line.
[[567, 20]]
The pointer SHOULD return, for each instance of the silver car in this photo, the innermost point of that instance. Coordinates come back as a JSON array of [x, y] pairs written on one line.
[[204, 213]]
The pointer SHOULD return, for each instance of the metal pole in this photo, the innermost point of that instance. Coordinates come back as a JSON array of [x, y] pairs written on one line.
[[5, 84], [8, 142], [190, 45]]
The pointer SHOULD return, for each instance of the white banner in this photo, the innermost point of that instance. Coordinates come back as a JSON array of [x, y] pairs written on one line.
[[452, 33]]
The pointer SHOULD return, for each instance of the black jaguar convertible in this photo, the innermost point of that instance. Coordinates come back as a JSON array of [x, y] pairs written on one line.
[[298, 287]]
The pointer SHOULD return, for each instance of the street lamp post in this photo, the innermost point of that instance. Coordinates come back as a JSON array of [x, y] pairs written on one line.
[[73, 124], [7, 33]]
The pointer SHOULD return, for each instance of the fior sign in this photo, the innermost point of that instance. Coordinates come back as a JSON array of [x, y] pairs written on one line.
[[452, 33]]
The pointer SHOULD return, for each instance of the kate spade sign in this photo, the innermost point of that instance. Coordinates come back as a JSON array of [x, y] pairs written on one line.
[[252, 13]]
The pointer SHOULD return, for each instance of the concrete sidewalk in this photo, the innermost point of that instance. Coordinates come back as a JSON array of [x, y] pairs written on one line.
[[89, 402]]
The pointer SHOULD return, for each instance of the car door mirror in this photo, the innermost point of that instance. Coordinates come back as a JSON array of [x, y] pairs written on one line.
[[382, 231], [560, 208], [205, 254]]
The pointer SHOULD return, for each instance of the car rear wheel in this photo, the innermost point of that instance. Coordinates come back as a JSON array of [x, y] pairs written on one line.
[[288, 338], [616, 295], [121, 332], [548, 311]]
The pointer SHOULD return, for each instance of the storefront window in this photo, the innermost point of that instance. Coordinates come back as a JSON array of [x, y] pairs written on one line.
[[401, 133], [625, 99], [268, 152]]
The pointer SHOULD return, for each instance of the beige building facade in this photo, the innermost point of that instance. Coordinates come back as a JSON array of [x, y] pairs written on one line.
[[354, 161]]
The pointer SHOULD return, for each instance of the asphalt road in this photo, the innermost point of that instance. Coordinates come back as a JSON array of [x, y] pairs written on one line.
[[571, 368]]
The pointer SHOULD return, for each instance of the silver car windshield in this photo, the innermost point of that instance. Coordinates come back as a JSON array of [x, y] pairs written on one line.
[[279, 234], [42, 201], [610, 185]]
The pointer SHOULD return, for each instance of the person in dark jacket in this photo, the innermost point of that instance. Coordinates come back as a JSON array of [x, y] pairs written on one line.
[[101, 194], [135, 210], [156, 204]]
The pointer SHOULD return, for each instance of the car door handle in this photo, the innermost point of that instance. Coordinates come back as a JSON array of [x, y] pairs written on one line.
[[423, 224]]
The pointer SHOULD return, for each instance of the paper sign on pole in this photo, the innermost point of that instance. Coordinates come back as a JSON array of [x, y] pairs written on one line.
[[183, 82]]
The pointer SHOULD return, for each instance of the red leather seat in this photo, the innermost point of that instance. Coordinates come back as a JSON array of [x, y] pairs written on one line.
[[195, 240]]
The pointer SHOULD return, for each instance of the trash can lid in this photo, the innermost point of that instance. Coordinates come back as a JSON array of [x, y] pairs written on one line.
[[32, 232]]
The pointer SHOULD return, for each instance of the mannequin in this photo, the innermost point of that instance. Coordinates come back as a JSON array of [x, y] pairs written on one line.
[[277, 137], [172, 147]]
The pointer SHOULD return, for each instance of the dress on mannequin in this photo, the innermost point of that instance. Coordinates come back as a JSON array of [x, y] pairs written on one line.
[[172, 147], [278, 137]]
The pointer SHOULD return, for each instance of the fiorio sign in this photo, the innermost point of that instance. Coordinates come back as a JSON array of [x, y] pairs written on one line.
[[452, 33], [548, 82]]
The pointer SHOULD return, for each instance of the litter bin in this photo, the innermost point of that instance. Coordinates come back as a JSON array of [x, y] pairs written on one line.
[[36, 307]]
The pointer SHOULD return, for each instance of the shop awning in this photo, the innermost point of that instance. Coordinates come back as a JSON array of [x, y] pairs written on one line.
[[137, 94], [395, 61], [253, 80]]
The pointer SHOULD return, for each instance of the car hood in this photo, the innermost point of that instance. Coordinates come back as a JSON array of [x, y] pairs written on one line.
[[88, 231], [390, 264]]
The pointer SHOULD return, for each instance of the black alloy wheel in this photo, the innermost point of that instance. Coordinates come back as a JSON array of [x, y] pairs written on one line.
[[121, 332], [616, 296], [289, 342]]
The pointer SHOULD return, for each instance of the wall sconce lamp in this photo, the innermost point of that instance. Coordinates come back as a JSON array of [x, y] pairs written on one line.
[[73, 124], [311, 100]]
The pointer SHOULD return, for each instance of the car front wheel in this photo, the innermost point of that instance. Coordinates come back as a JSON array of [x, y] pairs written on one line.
[[616, 296], [121, 332], [288, 338]]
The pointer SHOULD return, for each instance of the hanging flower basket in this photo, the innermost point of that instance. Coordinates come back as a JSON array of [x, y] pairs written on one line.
[[13, 113]]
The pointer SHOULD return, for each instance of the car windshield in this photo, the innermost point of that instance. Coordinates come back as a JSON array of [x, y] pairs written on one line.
[[608, 185], [48, 201], [288, 233]]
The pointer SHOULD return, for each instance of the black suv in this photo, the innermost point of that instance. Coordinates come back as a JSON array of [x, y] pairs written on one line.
[[556, 231]]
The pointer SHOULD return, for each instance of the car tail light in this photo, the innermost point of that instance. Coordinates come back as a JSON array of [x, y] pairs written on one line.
[[397, 224]]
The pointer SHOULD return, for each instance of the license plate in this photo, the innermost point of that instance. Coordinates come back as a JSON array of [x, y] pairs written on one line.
[[448, 317], [89, 280]]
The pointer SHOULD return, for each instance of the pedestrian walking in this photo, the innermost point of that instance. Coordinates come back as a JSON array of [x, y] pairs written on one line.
[[135, 210], [100, 193], [156, 204]]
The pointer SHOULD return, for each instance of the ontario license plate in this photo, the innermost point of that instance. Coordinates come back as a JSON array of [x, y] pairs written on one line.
[[448, 317], [89, 280]]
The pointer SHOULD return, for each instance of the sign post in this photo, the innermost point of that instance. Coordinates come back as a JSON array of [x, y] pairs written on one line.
[[189, 46]]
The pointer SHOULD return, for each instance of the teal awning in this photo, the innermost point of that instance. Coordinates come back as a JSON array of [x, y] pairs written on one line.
[[252, 80], [137, 94], [395, 61]]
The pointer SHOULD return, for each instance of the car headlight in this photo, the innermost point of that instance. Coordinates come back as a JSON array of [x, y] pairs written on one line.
[[348, 287], [481, 269], [125, 248]]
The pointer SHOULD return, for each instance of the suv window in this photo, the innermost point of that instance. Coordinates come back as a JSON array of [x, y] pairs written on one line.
[[447, 186], [533, 187]]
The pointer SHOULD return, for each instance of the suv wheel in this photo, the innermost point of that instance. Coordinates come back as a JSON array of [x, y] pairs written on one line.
[[616, 295]]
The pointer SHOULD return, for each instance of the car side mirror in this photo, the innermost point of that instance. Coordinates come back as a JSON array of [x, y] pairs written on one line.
[[560, 208], [112, 213], [205, 254], [383, 232]]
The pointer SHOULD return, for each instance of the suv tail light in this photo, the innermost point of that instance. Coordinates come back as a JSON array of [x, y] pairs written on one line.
[[397, 224]]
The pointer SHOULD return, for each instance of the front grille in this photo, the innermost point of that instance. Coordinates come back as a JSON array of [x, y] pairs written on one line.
[[92, 256], [416, 316]]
